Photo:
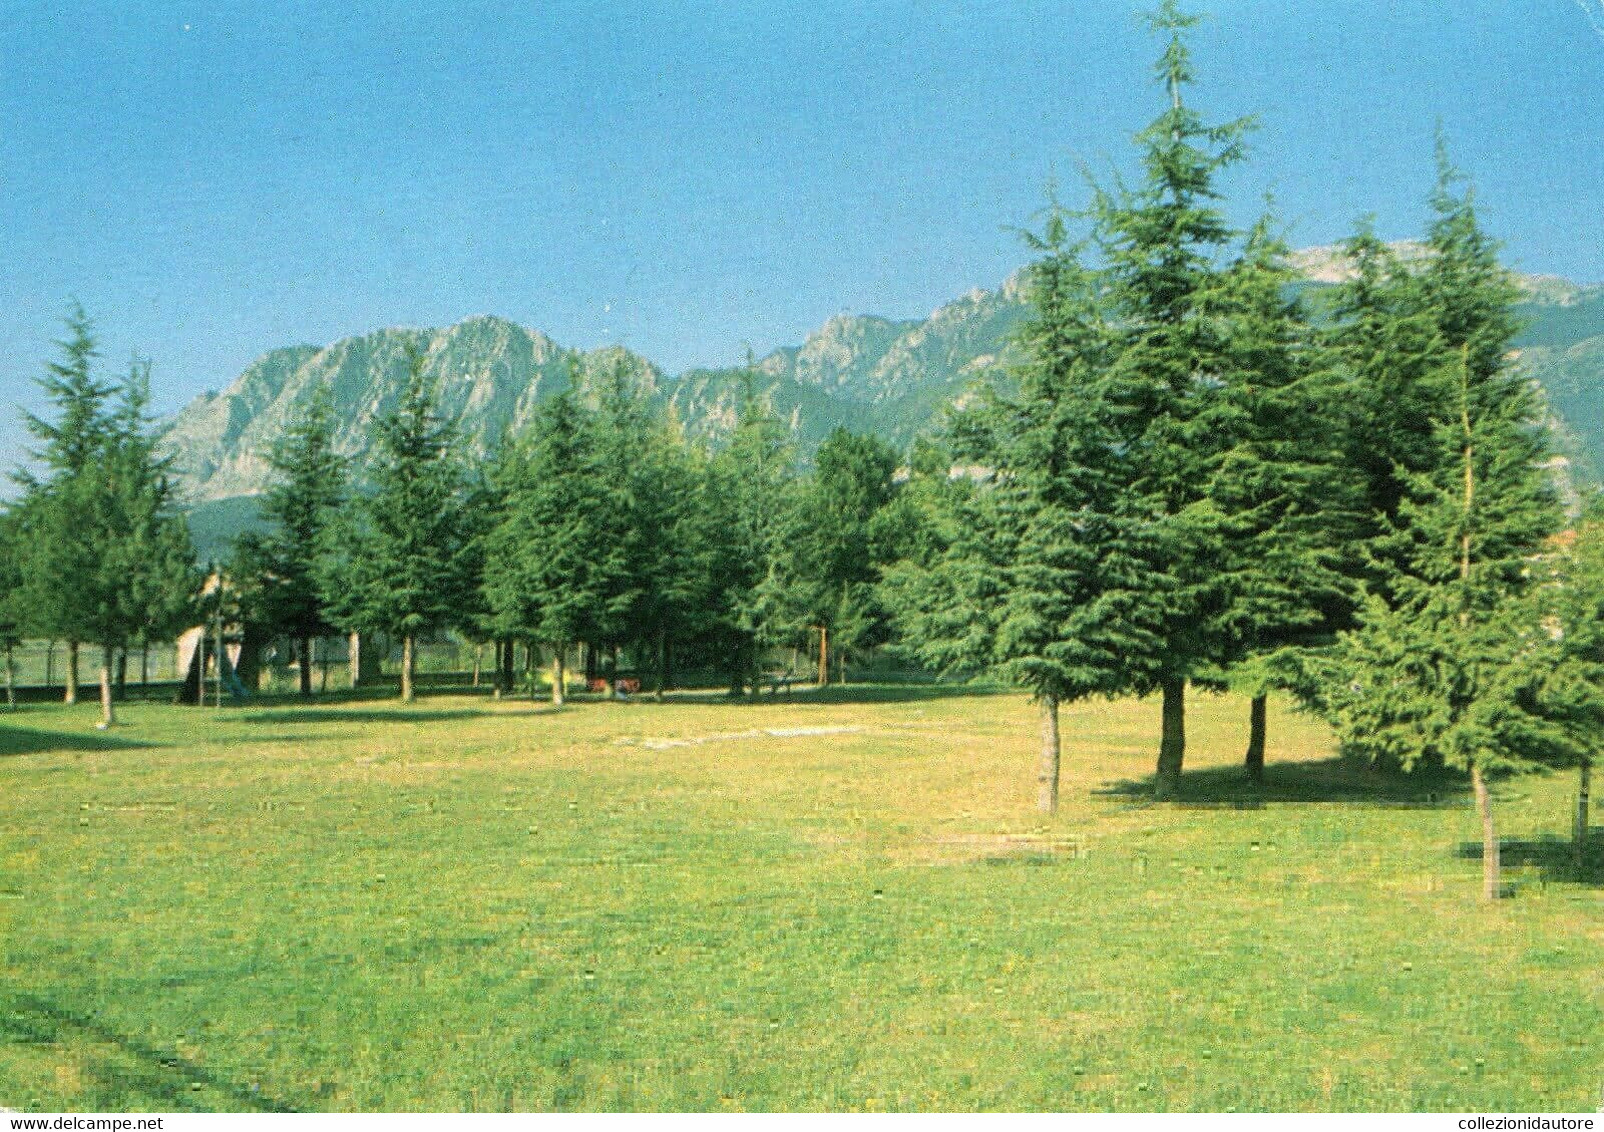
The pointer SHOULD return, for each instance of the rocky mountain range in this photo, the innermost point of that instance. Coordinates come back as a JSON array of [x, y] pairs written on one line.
[[890, 377]]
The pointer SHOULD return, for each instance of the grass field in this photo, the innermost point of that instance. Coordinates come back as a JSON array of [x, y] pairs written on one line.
[[817, 904]]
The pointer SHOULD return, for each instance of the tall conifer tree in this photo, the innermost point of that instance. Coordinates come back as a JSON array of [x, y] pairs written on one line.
[[1288, 496], [1165, 386], [109, 533], [751, 486], [835, 542], [1448, 661], [1043, 569], [549, 559], [400, 565], [79, 428], [307, 492]]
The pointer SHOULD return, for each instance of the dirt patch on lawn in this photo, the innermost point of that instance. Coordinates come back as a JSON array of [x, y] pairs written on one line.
[[997, 848], [656, 743]]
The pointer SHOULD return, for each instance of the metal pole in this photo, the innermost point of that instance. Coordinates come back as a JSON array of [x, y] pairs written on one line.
[[218, 659]]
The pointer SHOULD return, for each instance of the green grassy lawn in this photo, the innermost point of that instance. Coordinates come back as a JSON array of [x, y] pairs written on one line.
[[477, 905]]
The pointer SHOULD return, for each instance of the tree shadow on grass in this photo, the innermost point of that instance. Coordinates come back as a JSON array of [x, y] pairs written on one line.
[[30, 741], [1554, 857], [902, 693], [356, 715], [808, 695], [132, 1066], [1334, 780]]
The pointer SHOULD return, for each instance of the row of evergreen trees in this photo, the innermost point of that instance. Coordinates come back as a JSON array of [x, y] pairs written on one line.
[[598, 525], [1192, 478], [1195, 480]]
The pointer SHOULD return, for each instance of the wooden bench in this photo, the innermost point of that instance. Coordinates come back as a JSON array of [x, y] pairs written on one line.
[[778, 680]]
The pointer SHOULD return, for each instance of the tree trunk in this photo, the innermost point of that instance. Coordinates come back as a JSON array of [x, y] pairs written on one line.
[[71, 694], [303, 649], [122, 674], [559, 674], [612, 673], [50, 665], [1491, 877], [1254, 760], [144, 663], [589, 659], [108, 714], [824, 656], [662, 665], [406, 669], [1172, 744], [11, 678], [478, 651], [1583, 801], [1047, 768], [218, 657], [367, 659], [248, 668]]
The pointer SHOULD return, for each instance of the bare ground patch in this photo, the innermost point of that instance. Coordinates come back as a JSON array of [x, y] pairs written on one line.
[[664, 743]]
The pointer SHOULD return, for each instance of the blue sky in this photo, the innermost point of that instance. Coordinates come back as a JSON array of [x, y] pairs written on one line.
[[214, 181]]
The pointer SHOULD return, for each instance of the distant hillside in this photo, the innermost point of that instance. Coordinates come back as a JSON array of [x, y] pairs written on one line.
[[889, 377], [214, 523], [490, 374], [871, 373]]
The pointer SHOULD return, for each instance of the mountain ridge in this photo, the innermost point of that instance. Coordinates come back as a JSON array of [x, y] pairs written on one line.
[[888, 376]]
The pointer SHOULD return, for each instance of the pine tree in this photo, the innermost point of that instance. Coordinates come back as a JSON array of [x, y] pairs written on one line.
[[399, 566], [81, 425], [1043, 568], [751, 489], [681, 592], [944, 592], [1165, 386], [83, 403], [637, 454], [1289, 497], [1449, 661], [112, 532], [549, 558], [308, 490], [484, 505], [1445, 671], [834, 544]]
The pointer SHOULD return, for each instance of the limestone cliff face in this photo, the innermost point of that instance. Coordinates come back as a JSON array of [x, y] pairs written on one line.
[[489, 373], [890, 377], [870, 373]]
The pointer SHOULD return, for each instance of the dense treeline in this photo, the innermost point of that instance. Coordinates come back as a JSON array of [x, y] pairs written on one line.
[[1190, 480]]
